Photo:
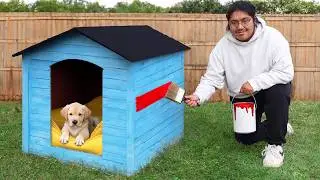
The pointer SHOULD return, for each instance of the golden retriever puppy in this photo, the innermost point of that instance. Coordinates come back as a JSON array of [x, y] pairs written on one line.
[[79, 123]]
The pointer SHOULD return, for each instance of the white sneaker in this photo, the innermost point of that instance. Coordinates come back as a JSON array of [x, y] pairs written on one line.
[[289, 129], [273, 156]]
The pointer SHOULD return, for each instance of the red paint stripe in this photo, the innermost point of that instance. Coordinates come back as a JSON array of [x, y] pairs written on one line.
[[151, 97]]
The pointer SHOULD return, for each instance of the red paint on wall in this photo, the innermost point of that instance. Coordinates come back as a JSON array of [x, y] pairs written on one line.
[[151, 97]]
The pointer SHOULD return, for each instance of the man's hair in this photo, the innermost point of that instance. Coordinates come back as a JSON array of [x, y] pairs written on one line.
[[244, 6]]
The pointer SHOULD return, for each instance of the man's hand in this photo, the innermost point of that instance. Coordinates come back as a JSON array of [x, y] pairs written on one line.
[[246, 88], [192, 100]]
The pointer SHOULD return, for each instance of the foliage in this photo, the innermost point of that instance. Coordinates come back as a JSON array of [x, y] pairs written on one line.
[[47, 6], [286, 7], [14, 6], [137, 6], [198, 6]]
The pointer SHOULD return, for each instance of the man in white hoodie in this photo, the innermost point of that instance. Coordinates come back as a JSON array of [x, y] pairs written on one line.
[[252, 59]]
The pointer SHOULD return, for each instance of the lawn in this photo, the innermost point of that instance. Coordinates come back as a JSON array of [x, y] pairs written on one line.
[[207, 151]]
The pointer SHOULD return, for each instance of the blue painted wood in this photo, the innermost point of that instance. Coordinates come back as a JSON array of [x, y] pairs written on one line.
[[146, 156], [40, 108], [34, 140], [155, 107], [44, 92], [131, 106], [41, 64], [157, 78], [162, 122], [107, 130], [115, 123], [76, 39], [158, 75], [40, 83], [164, 108], [156, 125], [114, 149], [67, 45], [39, 125], [153, 82], [41, 117], [25, 102], [115, 103], [115, 94], [151, 137], [39, 133], [130, 139], [104, 62], [116, 73], [121, 159], [158, 67], [175, 131], [39, 74], [155, 120], [114, 114], [160, 143], [40, 94], [115, 84], [115, 140], [72, 155], [150, 61], [38, 104], [79, 157]]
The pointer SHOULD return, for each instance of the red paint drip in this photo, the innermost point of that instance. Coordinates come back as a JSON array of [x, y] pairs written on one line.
[[151, 97], [242, 105]]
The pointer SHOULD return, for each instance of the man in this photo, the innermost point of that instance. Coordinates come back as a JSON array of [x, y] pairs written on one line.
[[253, 59]]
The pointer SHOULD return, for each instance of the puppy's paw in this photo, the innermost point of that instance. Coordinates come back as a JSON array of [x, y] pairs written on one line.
[[64, 139], [79, 141]]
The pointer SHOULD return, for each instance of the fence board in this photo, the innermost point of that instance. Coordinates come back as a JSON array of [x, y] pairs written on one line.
[[199, 31]]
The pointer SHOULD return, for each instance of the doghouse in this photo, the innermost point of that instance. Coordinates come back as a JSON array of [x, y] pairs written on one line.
[[118, 71]]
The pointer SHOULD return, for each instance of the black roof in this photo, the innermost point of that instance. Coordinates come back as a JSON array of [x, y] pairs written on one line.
[[131, 42]]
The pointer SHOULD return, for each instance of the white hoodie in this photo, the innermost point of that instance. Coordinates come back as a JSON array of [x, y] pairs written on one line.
[[263, 61]]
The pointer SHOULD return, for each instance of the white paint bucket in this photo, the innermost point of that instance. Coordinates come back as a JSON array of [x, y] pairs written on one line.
[[244, 116]]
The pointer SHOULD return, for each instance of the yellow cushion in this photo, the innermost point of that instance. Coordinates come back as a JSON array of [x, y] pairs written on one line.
[[91, 145]]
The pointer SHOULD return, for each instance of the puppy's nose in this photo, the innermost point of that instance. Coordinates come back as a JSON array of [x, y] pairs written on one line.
[[74, 122]]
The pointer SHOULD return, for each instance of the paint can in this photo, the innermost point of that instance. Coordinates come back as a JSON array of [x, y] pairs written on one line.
[[244, 116]]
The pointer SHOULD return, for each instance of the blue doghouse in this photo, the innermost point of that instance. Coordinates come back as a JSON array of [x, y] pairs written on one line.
[[118, 63]]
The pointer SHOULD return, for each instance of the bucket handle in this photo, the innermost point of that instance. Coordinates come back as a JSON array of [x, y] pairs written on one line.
[[255, 102]]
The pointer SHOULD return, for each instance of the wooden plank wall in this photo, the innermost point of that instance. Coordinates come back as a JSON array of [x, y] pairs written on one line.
[[199, 31]]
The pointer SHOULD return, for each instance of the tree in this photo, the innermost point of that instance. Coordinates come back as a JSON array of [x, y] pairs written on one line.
[[286, 7], [136, 7], [14, 6], [78, 6], [186, 6], [95, 7], [198, 6], [48, 6]]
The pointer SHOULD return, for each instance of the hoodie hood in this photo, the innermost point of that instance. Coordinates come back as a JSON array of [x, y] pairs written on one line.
[[257, 33]]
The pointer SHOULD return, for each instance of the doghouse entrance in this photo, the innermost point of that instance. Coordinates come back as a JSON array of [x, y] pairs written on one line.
[[76, 81]]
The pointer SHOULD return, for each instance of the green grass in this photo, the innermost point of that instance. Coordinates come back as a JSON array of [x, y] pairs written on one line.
[[207, 151]]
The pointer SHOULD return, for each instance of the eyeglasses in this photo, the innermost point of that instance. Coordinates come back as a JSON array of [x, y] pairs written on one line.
[[244, 22]]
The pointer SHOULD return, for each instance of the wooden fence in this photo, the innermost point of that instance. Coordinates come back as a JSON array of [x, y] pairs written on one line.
[[199, 31]]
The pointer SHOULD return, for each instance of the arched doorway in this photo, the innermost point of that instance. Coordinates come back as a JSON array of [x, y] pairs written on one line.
[[79, 81]]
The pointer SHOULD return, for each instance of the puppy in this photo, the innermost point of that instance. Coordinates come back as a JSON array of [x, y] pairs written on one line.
[[79, 123]]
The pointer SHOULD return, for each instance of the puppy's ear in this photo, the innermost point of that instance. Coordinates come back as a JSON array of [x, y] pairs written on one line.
[[64, 111], [87, 111]]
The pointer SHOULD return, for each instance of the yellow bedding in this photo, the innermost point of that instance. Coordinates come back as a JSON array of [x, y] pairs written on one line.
[[91, 145]]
